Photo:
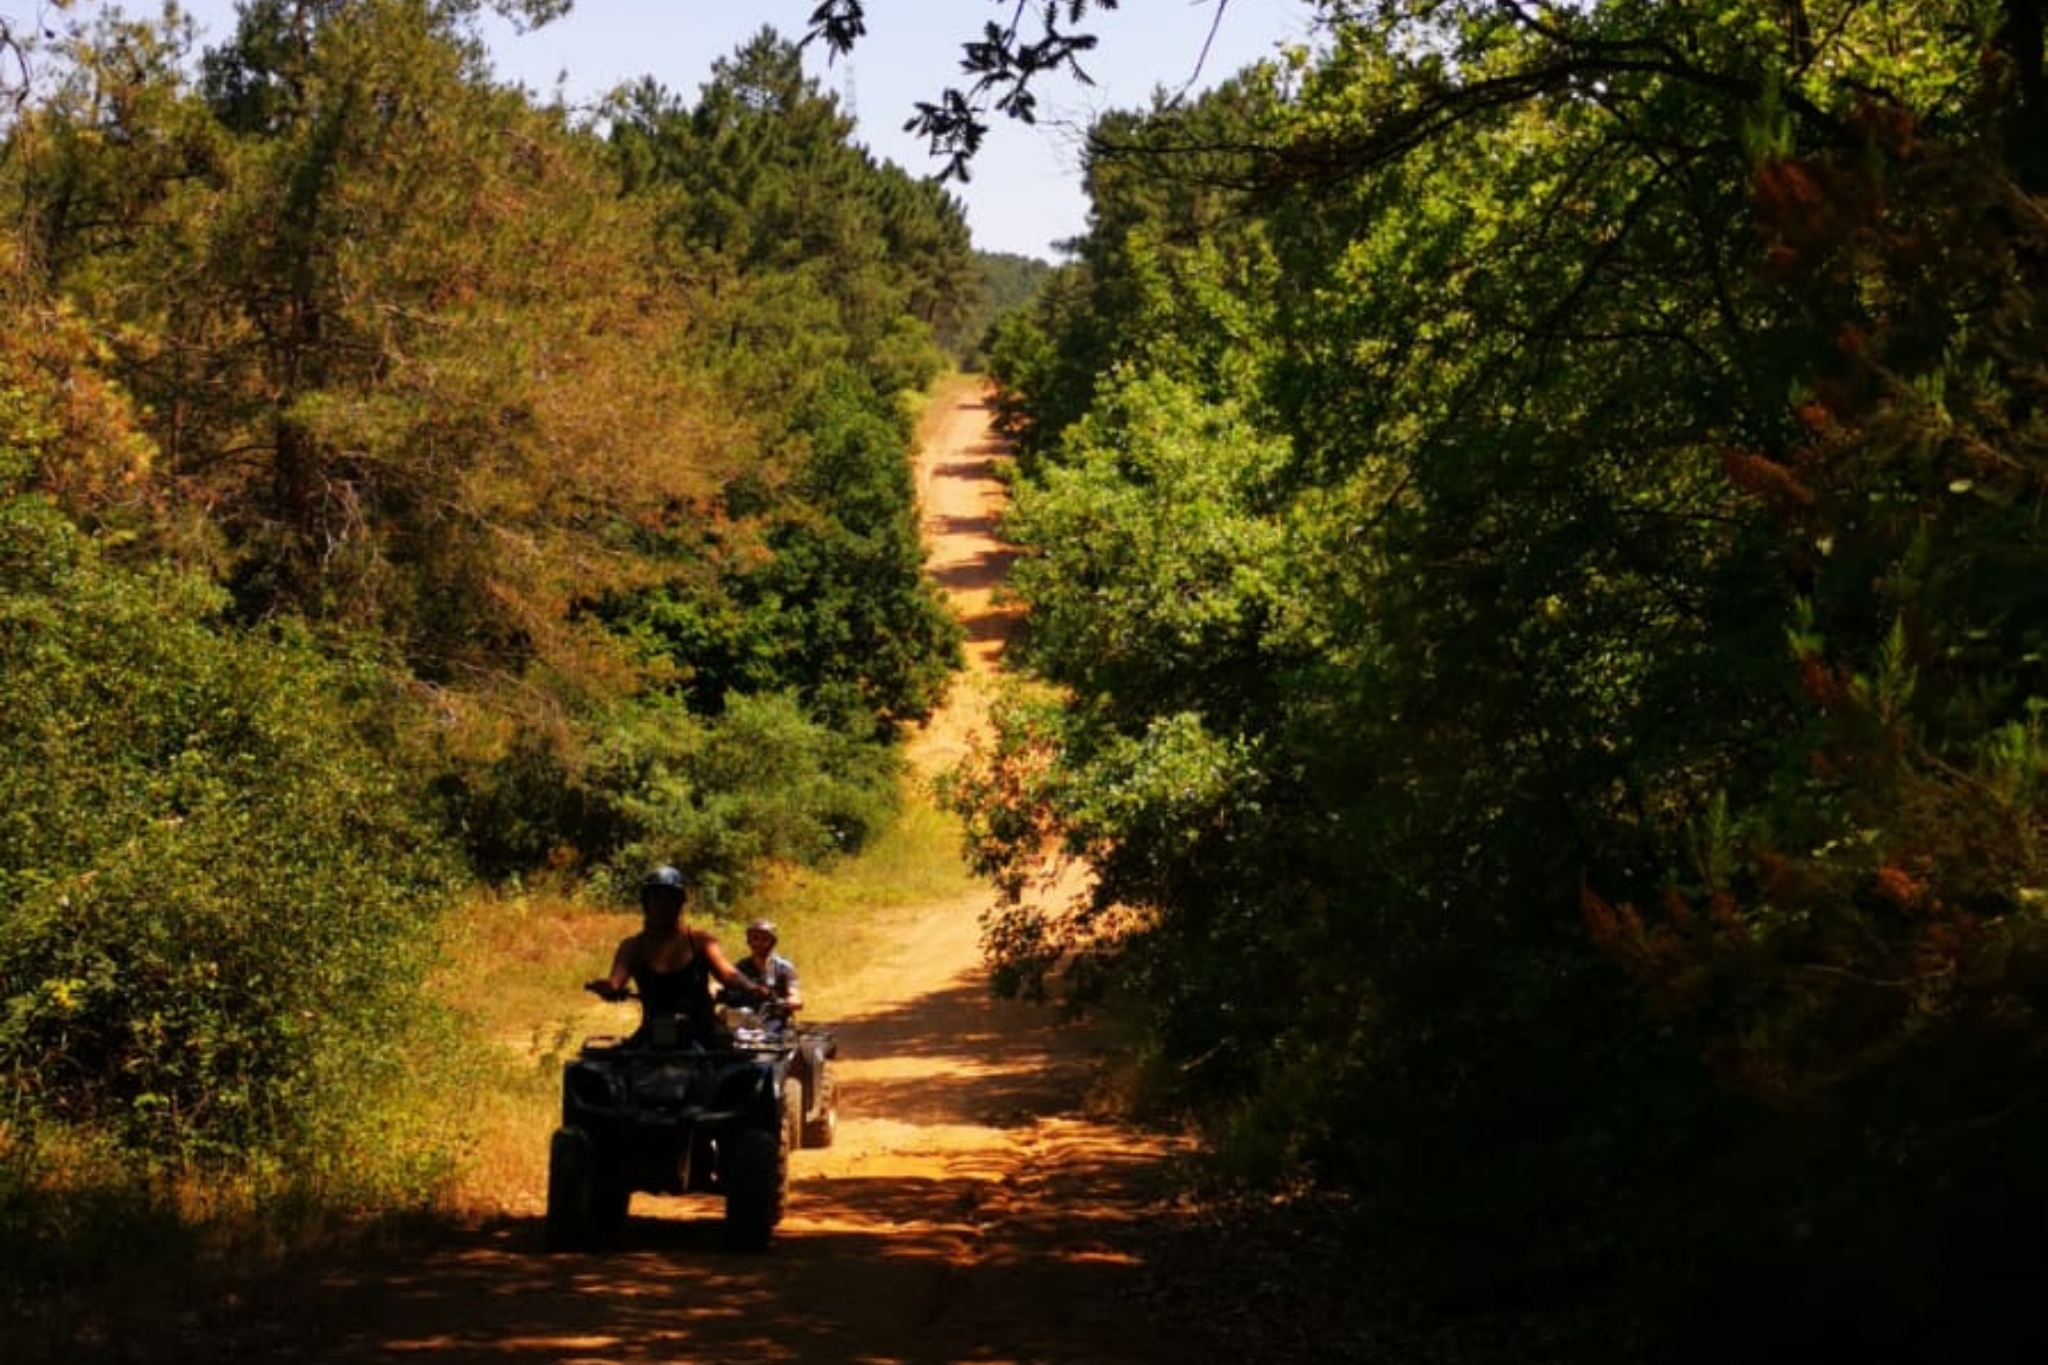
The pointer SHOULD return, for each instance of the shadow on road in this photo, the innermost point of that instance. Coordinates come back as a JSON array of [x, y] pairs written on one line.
[[970, 1213], [669, 1293], [957, 1057], [908, 1268], [980, 571]]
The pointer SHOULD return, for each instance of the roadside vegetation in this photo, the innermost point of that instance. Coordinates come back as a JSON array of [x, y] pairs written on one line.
[[1532, 548], [420, 510], [1534, 518]]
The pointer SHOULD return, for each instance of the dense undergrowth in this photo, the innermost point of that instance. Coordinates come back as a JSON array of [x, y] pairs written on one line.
[[1532, 516], [106, 1245], [412, 496]]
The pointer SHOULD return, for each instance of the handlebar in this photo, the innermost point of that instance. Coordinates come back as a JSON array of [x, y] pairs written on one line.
[[604, 990]]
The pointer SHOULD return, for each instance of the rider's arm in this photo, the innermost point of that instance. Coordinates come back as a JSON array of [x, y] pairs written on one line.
[[792, 995], [613, 986], [728, 975]]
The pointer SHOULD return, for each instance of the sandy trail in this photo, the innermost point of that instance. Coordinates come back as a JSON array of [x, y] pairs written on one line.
[[971, 1210]]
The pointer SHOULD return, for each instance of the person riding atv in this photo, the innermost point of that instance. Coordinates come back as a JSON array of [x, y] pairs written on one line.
[[671, 966], [776, 975], [770, 971], [686, 1104]]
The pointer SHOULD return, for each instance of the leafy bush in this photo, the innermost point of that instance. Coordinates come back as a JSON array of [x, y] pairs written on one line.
[[214, 896], [762, 783], [1572, 437], [1857, 942], [833, 603]]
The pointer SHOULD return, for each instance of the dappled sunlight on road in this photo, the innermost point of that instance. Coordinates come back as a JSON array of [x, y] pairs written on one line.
[[948, 1240]]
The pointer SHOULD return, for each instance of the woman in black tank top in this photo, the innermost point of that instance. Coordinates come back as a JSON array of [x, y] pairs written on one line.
[[668, 963]]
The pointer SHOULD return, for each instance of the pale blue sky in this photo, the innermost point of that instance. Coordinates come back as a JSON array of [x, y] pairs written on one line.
[[1025, 194]]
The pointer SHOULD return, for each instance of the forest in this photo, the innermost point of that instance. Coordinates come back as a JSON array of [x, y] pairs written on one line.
[[1531, 528], [406, 488], [1532, 520]]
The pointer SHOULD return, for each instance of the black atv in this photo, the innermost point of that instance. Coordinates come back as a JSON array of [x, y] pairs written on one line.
[[667, 1113], [811, 1068], [770, 1027]]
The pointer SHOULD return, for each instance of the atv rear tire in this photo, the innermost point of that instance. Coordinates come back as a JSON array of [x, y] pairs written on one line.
[[823, 1130], [754, 1168], [572, 1182]]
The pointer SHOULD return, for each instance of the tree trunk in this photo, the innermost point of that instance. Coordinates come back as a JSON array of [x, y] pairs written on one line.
[[2027, 120]]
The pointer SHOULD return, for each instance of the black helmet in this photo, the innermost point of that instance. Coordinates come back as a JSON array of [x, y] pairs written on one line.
[[664, 881]]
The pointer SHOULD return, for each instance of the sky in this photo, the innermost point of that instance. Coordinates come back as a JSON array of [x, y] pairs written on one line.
[[1025, 195]]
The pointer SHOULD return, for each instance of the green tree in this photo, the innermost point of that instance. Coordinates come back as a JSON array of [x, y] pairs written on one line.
[[1588, 329], [1008, 284], [415, 368], [1171, 274], [839, 611], [807, 253], [215, 896], [821, 277]]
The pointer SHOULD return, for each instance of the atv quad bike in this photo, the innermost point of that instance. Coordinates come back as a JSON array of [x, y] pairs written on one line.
[[811, 1068], [666, 1113], [769, 1027]]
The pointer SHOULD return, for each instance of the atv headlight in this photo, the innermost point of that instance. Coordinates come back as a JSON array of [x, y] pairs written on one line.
[[591, 1088]]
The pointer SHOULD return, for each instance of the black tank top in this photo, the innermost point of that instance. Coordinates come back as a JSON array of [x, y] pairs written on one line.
[[684, 993]]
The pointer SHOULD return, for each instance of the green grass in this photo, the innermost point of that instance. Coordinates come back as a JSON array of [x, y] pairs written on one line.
[[820, 915]]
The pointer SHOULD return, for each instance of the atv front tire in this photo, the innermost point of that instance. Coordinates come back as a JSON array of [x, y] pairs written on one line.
[[572, 1190], [754, 1168], [610, 1197]]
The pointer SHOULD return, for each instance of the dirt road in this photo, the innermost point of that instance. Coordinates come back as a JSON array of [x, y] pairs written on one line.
[[971, 1209]]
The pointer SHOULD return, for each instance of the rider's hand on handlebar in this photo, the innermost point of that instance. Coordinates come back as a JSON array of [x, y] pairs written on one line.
[[603, 989]]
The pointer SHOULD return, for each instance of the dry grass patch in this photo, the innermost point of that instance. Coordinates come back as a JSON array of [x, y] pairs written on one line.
[[516, 964]]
